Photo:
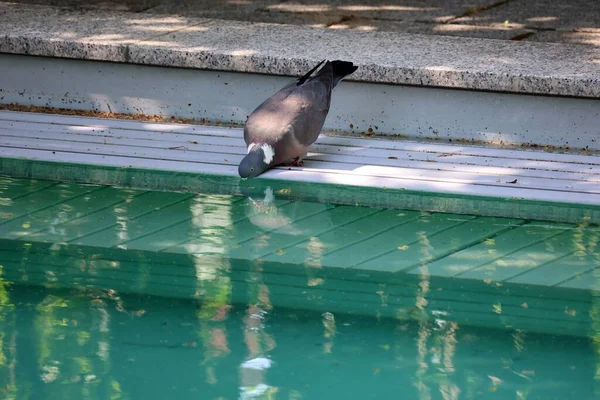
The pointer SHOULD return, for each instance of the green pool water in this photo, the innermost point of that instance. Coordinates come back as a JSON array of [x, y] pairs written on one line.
[[115, 293], [93, 344]]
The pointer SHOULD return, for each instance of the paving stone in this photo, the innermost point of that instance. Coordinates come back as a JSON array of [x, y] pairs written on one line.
[[396, 10], [590, 38], [541, 14]]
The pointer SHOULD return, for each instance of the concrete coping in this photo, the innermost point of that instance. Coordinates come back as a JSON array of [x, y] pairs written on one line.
[[382, 57]]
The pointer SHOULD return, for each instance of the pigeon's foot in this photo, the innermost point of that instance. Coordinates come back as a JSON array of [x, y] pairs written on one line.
[[297, 162]]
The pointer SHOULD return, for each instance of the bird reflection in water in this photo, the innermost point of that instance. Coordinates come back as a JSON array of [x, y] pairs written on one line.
[[269, 214]]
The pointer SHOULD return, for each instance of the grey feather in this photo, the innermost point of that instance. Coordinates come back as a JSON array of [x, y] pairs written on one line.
[[291, 120]]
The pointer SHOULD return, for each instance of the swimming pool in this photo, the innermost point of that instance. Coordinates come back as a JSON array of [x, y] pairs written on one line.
[[121, 293]]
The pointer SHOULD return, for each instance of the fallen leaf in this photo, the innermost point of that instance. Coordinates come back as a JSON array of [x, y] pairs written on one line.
[[524, 305], [404, 247], [495, 380], [528, 372], [315, 282], [487, 280], [497, 307], [280, 251], [571, 312], [139, 313], [284, 191], [376, 370]]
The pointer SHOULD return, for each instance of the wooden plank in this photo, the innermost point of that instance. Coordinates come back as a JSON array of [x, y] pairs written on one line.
[[117, 215], [528, 258], [112, 271], [477, 165], [232, 155], [389, 240], [247, 229], [589, 280], [340, 236], [293, 174], [332, 279], [437, 245], [145, 224], [177, 154], [90, 123], [501, 160], [51, 217], [566, 272], [193, 234], [67, 273], [283, 299], [11, 189], [453, 177], [548, 181], [185, 275], [296, 231], [173, 154], [443, 290], [47, 197], [493, 248], [202, 217], [117, 161], [81, 133], [321, 151]]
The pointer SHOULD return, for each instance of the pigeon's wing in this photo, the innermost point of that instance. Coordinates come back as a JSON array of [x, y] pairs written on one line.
[[273, 117], [300, 112], [311, 103]]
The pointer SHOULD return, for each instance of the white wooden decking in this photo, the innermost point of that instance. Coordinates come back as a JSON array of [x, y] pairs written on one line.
[[391, 164]]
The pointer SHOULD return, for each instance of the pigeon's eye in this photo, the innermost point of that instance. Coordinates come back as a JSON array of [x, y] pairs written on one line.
[[251, 169]]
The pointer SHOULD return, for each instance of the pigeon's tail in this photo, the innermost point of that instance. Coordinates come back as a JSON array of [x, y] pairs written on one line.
[[341, 69]]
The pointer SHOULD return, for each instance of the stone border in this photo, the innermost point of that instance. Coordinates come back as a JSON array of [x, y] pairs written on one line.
[[382, 57]]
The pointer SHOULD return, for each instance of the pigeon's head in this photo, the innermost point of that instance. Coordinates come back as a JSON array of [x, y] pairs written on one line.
[[258, 160]]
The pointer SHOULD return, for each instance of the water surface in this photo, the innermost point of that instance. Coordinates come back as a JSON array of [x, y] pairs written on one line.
[[116, 293], [91, 344]]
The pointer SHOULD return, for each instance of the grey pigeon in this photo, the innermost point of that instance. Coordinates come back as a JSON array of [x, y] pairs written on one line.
[[282, 128]]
